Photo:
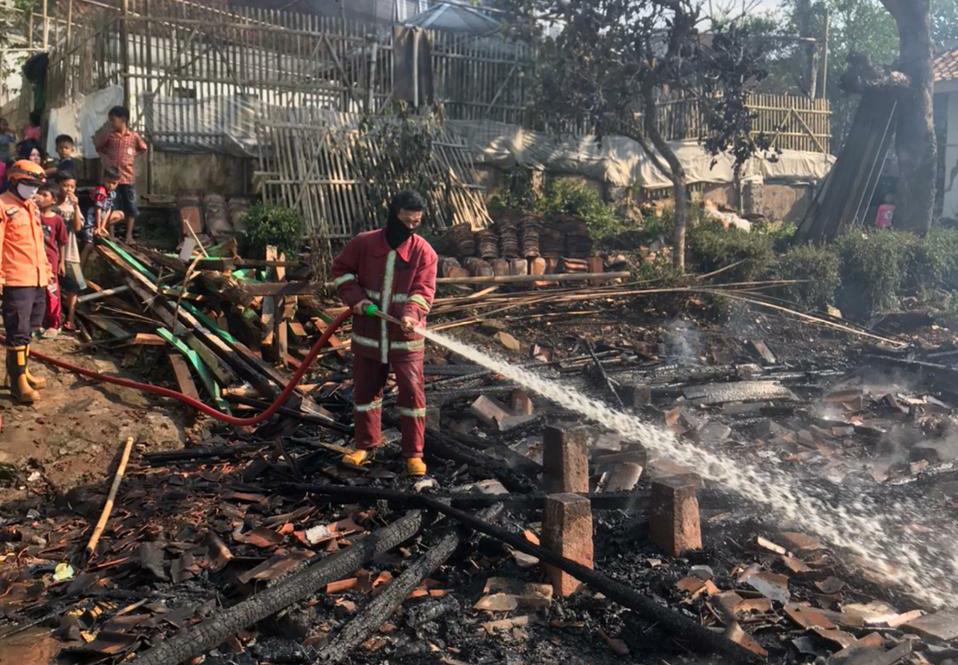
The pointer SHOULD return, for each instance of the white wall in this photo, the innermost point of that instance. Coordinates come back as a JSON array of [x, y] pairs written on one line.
[[950, 207]]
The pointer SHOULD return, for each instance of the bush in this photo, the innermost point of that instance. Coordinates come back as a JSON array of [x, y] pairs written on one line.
[[871, 272], [945, 242], [569, 197], [712, 246], [273, 225], [818, 267], [922, 264]]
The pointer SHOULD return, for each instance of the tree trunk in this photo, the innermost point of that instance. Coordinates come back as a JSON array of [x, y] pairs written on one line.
[[676, 174], [809, 73], [915, 141]]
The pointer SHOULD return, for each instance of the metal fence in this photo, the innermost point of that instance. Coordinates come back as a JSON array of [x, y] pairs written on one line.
[[184, 51]]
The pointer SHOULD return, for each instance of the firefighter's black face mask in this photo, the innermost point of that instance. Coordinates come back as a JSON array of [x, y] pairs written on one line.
[[398, 231]]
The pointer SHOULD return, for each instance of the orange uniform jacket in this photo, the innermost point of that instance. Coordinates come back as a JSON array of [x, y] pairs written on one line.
[[23, 260]]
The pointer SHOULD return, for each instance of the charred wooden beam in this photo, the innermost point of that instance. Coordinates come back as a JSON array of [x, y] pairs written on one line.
[[695, 634], [382, 607], [628, 501], [199, 639]]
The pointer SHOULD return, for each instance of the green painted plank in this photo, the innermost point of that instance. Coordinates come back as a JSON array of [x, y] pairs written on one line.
[[212, 387], [129, 259], [208, 322]]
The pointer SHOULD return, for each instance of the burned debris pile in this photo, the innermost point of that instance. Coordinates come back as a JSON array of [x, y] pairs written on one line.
[[538, 537]]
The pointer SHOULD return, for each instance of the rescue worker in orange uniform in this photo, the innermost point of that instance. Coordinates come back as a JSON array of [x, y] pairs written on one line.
[[395, 269], [24, 275]]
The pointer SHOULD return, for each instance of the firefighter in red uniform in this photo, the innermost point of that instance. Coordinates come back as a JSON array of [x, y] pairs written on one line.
[[395, 269]]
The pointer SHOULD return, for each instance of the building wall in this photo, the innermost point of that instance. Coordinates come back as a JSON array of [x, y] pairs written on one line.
[[174, 173], [950, 191]]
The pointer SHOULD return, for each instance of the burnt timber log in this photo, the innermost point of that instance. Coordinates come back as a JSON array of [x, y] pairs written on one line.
[[198, 639], [382, 607]]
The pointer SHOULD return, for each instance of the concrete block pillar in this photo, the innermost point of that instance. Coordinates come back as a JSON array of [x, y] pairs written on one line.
[[567, 530], [433, 416], [565, 460], [674, 524], [636, 395]]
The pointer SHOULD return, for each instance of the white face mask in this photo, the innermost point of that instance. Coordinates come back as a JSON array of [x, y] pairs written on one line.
[[27, 192]]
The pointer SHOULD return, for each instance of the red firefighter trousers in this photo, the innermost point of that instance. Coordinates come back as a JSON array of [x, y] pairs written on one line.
[[369, 376]]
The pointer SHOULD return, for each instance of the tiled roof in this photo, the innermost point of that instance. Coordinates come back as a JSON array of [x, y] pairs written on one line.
[[946, 66]]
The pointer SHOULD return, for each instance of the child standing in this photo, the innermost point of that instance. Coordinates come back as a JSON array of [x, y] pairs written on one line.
[[886, 213], [34, 129], [103, 215], [118, 147], [55, 239], [72, 283], [7, 140], [65, 149]]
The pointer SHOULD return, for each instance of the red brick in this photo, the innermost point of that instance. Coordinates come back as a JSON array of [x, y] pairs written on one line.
[[521, 403], [674, 519], [565, 460], [567, 530]]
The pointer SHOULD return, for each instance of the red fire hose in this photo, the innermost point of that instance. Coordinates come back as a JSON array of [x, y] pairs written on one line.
[[196, 404]]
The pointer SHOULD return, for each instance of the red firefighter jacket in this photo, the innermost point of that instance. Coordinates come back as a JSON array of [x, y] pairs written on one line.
[[402, 282]]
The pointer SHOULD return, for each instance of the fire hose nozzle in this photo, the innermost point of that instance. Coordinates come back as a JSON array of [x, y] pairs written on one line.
[[371, 310]]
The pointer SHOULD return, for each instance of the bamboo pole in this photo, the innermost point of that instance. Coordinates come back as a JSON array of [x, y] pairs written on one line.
[[524, 279], [110, 498]]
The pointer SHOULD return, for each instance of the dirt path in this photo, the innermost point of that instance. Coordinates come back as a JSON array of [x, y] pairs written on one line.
[[72, 434]]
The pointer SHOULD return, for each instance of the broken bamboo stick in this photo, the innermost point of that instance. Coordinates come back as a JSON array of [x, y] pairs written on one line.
[[526, 279], [202, 637], [809, 318], [110, 498]]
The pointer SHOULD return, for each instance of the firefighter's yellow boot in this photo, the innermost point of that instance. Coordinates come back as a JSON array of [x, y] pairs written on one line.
[[20, 388], [415, 467], [36, 382], [357, 459]]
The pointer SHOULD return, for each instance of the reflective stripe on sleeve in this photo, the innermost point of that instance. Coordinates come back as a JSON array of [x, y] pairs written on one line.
[[342, 279], [421, 301]]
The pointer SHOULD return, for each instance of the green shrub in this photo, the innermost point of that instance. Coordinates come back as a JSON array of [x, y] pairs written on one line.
[[712, 246], [922, 264], [818, 267], [570, 197], [945, 242], [273, 225], [871, 272]]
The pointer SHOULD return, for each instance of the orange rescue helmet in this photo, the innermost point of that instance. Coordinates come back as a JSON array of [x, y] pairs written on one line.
[[25, 171]]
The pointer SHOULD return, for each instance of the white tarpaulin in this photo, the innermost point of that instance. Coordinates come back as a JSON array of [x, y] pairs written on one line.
[[620, 161], [82, 119]]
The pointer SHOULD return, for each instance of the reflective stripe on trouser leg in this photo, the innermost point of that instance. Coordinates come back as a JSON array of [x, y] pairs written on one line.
[[411, 403], [369, 377]]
